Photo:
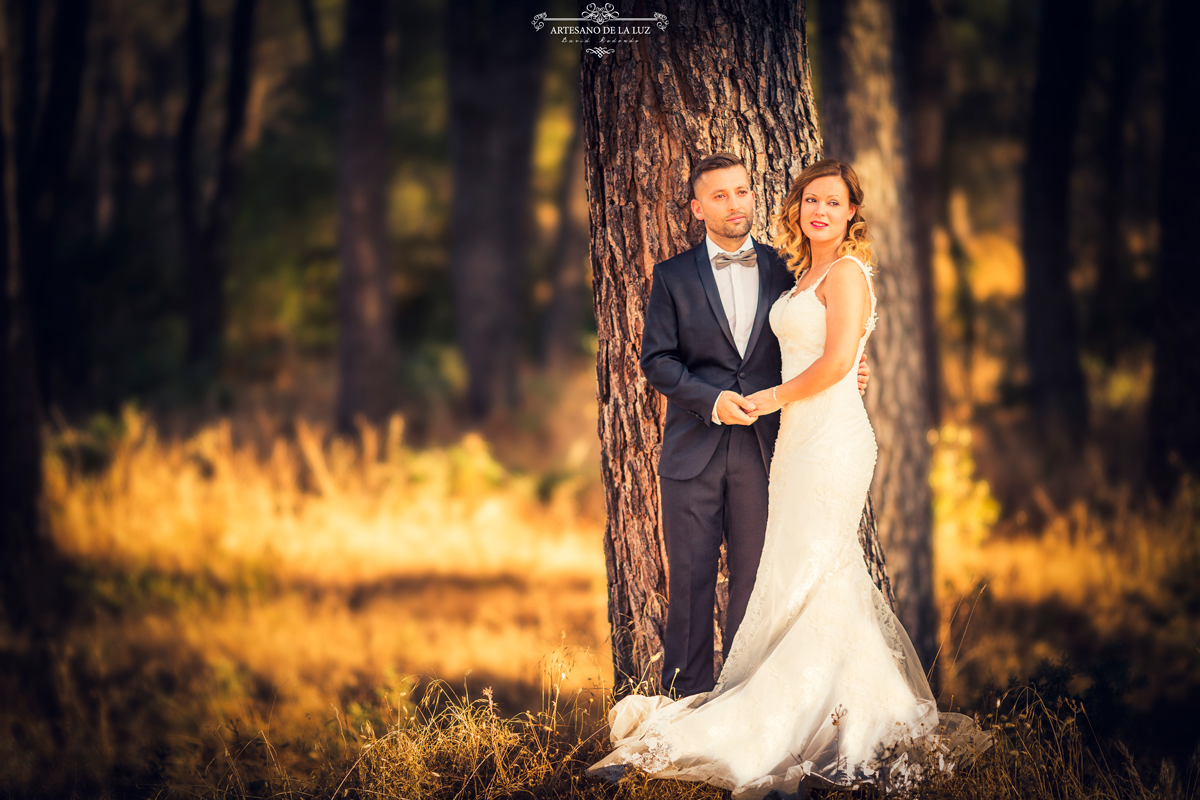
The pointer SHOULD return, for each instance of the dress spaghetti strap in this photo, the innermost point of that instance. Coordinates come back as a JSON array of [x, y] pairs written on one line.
[[870, 323]]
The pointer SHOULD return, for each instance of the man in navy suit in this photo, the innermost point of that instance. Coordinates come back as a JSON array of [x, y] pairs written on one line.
[[706, 346]]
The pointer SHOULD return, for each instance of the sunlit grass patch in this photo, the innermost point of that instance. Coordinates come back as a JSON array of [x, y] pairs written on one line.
[[1111, 585], [312, 508]]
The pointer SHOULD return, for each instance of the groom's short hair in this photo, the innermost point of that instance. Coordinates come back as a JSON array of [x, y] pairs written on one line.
[[709, 163]]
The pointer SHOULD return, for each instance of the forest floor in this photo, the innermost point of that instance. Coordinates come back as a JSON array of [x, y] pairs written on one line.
[[262, 609]]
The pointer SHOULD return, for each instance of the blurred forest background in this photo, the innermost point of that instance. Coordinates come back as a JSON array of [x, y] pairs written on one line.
[[302, 311]]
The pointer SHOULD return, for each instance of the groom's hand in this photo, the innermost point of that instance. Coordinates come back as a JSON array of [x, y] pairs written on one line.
[[733, 409], [864, 374]]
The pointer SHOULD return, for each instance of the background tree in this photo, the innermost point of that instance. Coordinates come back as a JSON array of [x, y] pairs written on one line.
[[560, 324], [1125, 51], [45, 136], [1174, 414], [864, 124], [312, 30], [206, 227], [366, 360], [495, 62], [922, 60], [22, 547], [1051, 335]]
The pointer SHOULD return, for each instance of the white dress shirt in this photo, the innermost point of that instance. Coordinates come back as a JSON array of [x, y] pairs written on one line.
[[738, 287]]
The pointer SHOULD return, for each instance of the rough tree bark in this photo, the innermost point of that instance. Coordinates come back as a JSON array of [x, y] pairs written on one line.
[[727, 75], [495, 79], [1174, 413], [206, 228], [1051, 336], [366, 358], [864, 125]]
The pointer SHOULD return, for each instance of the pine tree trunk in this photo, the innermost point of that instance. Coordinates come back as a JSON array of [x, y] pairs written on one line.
[[1110, 308], [209, 264], [54, 291], [727, 75], [187, 198], [864, 125], [312, 30], [923, 58], [366, 359], [1051, 336], [1174, 413], [495, 79], [22, 548], [564, 313]]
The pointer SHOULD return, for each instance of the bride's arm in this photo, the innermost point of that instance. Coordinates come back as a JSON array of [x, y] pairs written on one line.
[[846, 298]]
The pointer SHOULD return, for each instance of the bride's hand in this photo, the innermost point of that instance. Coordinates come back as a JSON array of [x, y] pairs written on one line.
[[764, 403], [864, 374]]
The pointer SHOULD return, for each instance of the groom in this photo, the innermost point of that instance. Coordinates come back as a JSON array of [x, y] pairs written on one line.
[[706, 346]]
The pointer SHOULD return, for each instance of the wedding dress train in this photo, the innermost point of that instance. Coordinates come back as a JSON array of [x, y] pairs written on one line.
[[821, 685]]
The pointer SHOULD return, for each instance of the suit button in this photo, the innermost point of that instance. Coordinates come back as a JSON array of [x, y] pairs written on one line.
[[741, 374]]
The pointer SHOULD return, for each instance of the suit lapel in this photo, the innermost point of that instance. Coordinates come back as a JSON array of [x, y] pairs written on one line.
[[765, 265], [704, 267]]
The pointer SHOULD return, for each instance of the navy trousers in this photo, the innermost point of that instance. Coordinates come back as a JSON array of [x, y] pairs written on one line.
[[727, 500]]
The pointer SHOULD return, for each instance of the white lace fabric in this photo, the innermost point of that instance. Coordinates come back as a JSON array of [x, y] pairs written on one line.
[[821, 685]]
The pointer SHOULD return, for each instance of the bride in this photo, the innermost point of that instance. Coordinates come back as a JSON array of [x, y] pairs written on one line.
[[821, 686]]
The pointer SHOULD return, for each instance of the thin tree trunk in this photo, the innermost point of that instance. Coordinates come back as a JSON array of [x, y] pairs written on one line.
[[28, 99], [864, 125], [564, 313], [923, 58], [1109, 324], [53, 288], [312, 31], [1051, 335], [187, 197], [22, 547], [1174, 413], [206, 300], [495, 78], [727, 75], [366, 361]]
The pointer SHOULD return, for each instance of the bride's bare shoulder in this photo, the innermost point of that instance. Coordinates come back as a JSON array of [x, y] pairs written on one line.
[[846, 275]]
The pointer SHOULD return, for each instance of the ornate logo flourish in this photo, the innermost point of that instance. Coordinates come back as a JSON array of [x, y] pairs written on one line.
[[600, 15]]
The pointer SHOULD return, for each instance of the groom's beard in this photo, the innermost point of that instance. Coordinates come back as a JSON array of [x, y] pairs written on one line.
[[733, 230]]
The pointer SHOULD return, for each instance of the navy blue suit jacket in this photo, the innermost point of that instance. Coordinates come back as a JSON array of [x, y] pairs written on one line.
[[689, 356]]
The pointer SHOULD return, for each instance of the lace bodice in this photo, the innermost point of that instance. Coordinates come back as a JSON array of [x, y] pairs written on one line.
[[799, 321]]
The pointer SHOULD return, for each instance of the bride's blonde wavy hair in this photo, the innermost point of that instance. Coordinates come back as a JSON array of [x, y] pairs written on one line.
[[790, 239]]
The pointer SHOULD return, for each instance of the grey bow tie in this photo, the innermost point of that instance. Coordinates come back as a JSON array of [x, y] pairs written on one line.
[[747, 258]]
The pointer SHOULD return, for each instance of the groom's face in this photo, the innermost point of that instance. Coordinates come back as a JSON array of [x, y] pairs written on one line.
[[724, 201]]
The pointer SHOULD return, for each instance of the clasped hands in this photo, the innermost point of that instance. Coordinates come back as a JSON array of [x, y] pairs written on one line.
[[733, 409]]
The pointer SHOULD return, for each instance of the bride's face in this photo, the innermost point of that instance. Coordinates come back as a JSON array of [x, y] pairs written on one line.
[[825, 209]]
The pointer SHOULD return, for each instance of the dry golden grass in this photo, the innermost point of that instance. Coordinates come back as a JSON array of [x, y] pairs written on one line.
[[295, 588], [255, 611], [319, 510], [1103, 581]]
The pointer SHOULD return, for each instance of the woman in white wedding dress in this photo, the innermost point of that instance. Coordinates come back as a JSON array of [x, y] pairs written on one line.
[[821, 685]]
